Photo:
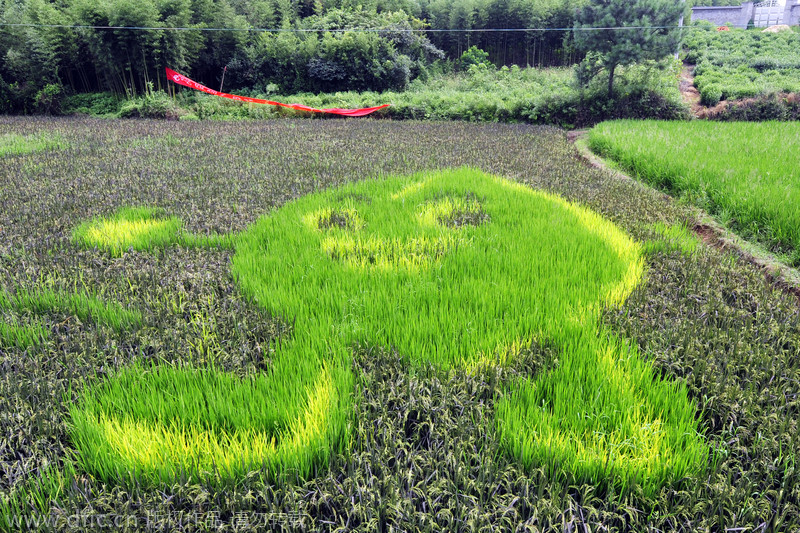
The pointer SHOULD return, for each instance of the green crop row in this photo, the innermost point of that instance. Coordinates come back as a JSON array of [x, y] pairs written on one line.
[[21, 335], [743, 63], [14, 144], [42, 301], [748, 174], [141, 228]]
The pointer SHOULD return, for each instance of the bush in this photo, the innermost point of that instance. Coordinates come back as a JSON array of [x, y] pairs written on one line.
[[710, 95], [474, 56], [327, 61], [761, 108], [48, 99], [95, 104], [155, 104], [9, 98]]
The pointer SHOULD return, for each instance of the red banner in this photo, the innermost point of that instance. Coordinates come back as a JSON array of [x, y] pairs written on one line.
[[186, 82]]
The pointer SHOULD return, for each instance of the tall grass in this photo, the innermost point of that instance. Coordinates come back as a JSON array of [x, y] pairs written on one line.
[[746, 173]]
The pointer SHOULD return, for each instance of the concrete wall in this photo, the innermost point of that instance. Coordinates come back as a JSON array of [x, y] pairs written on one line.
[[792, 14], [739, 16]]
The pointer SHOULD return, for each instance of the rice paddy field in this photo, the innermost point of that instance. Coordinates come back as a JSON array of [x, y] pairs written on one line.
[[375, 326], [745, 173]]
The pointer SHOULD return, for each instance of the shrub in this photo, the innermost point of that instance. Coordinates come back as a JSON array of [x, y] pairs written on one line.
[[95, 104], [155, 104], [48, 99], [763, 107], [710, 95], [474, 56]]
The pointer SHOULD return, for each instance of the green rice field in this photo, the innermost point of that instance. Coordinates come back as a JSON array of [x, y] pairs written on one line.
[[364, 325], [745, 173]]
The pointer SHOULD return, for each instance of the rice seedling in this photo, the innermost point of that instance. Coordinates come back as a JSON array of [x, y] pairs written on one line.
[[744, 172], [672, 237], [20, 335], [130, 228], [42, 301], [29, 505], [14, 144], [209, 425], [140, 228]]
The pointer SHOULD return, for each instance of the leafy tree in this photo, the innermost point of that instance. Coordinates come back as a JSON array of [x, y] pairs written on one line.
[[653, 34], [474, 56], [325, 60]]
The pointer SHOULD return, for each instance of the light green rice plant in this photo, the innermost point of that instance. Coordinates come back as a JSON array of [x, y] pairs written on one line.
[[746, 172], [86, 307], [141, 228], [379, 263], [15, 144], [20, 335], [28, 505], [204, 423], [672, 237]]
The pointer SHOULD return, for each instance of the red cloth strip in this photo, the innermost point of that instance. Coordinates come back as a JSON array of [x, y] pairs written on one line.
[[186, 82]]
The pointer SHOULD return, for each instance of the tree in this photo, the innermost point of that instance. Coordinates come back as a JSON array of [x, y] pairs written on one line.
[[653, 34]]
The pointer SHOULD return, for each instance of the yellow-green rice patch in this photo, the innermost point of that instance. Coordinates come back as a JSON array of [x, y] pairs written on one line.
[[130, 228], [15, 144], [141, 228]]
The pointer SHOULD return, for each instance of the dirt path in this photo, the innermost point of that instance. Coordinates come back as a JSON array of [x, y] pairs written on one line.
[[691, 96]]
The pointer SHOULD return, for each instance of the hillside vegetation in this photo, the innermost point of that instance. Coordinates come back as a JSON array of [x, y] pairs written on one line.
[[47, 48], [743, 63]]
